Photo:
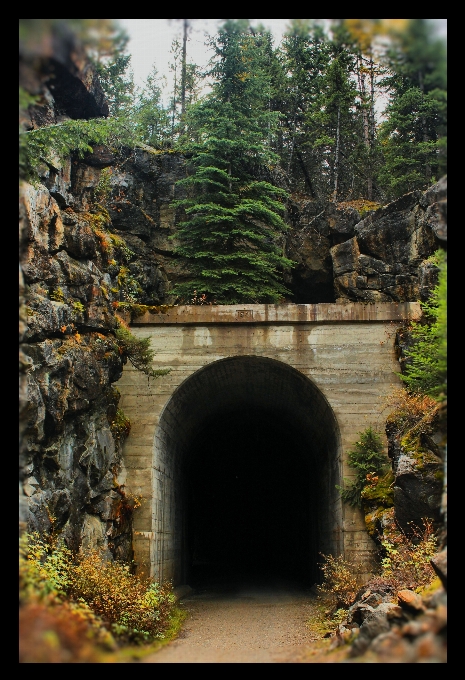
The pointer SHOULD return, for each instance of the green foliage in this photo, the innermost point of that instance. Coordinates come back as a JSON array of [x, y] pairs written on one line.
[[413, 134], [231, 238], [79, 307], [151, 119], [411, 142], [44, 573], [54, 143], [137, 350], [57, 295], [426, 365], [120, 426], [378, 491], [368, 459]]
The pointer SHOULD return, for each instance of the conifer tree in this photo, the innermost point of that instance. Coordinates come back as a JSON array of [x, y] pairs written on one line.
[[413, 136], [151, 118], [231, 237], [304, 56]]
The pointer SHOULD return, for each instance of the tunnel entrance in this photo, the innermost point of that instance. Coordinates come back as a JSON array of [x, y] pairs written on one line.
[[251, 509], [251, 452]]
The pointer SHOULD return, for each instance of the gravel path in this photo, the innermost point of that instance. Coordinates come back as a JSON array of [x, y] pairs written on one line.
[[246, 624]]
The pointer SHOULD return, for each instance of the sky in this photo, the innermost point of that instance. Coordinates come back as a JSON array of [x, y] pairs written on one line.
[[151, 39]]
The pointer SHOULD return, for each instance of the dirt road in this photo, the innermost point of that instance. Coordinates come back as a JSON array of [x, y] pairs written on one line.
[[242, 624]]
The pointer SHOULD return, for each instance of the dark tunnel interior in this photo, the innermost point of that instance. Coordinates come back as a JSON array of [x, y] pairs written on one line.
[[250, 447], [251, 506]]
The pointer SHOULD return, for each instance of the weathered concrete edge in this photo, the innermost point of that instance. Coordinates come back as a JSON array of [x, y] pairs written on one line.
[[275, 314]]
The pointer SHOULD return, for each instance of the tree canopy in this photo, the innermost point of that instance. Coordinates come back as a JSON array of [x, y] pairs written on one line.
[[304, 116]]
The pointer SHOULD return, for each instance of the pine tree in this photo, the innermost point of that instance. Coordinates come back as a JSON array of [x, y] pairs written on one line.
[[413, 136], [232, 235], [304, 57], [426, 368], [106, 43], [150, 118]]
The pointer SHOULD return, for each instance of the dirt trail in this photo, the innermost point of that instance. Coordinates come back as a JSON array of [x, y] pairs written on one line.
[[245, 624]]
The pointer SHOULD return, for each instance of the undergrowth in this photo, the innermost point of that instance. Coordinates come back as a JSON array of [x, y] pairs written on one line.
[[78, 608]]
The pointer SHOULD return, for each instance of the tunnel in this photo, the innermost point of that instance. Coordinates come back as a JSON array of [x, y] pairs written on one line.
[[248, 454]]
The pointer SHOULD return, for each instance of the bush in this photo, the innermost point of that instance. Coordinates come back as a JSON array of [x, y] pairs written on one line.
[[410, 409], [65, 632], [43, 570], [339, 579], [368, 459], [101, 599], [135, 609], [137, 350], [407, 561]]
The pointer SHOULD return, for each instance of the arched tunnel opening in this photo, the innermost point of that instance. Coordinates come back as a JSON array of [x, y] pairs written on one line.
[[251, 448], [251, 504]]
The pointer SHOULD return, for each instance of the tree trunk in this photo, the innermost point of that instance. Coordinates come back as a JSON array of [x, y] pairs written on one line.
[[365, 122], [184, 67], [336, 157], [424, 130]]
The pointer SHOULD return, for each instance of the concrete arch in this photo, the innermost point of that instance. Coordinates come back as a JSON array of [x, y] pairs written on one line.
[[246, 459]]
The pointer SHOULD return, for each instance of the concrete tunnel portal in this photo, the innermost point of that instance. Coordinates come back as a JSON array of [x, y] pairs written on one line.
[[250, 453]]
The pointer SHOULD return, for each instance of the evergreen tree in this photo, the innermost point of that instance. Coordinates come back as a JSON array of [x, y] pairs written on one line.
[[366, 157], [332, 124], [232, 235], [304, 56], [151, 118], [106, 43], [366, 458], [413, 136], [426, 369]]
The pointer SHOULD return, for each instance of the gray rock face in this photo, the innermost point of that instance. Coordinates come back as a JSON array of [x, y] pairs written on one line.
[[380, 258], [384, 261], [53, 65]]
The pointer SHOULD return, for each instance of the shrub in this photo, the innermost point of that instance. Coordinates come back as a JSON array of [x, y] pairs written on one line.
[[368, 459], [136, 609], [407, 561], [67, 632], [120, 425], [100, 599], [339, 579], [43, 570], [409, 409], [137, 350], [79, 307]]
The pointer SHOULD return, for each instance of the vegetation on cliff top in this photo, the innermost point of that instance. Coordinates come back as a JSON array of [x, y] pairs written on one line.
[[301, 116]]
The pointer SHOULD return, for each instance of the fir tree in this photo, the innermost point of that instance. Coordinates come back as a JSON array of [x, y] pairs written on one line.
[[150, 118], [426, 368], [232, 235], [413, 136]]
